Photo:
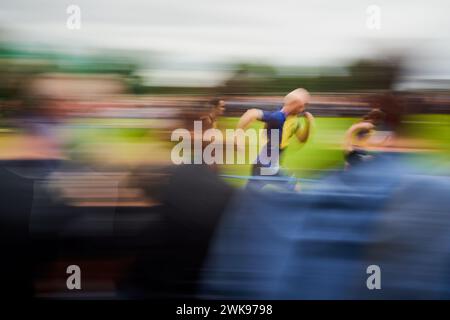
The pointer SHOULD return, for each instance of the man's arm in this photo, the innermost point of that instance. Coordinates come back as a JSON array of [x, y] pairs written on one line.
[[303, 134], [352, 131], [248, 117]]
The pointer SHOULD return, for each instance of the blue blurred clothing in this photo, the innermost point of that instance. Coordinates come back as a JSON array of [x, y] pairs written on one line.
[[318, 244], [274, 121]]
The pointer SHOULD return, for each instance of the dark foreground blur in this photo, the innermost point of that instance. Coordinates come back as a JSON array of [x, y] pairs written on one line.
[[206, 240]]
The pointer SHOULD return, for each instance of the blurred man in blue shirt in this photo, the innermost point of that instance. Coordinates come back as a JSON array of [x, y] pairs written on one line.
[[388, 212]]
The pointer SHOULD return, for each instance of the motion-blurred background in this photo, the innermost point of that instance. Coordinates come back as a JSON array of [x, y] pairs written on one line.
[[88, 105]]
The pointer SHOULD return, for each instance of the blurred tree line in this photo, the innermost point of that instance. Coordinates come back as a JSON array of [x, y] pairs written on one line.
[[259, 79], [18, 66], [362, 75]]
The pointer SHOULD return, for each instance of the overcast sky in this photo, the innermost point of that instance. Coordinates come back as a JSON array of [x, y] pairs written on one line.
[[314, 32]]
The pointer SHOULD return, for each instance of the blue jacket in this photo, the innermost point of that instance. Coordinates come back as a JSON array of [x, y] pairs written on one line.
[[319, 244]]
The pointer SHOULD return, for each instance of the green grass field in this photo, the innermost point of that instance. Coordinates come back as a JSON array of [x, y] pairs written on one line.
[[324, 150], [126, 142]]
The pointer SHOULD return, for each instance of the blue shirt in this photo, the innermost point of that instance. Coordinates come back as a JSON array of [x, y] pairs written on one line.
[[274, 120]]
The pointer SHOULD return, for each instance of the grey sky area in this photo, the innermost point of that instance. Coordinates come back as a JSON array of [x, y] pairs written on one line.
[[282, 32]]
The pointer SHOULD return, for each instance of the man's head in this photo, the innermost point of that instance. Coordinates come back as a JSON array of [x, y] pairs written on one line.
[[375, 116], [295, 101], [217, 106], [392, 107]]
